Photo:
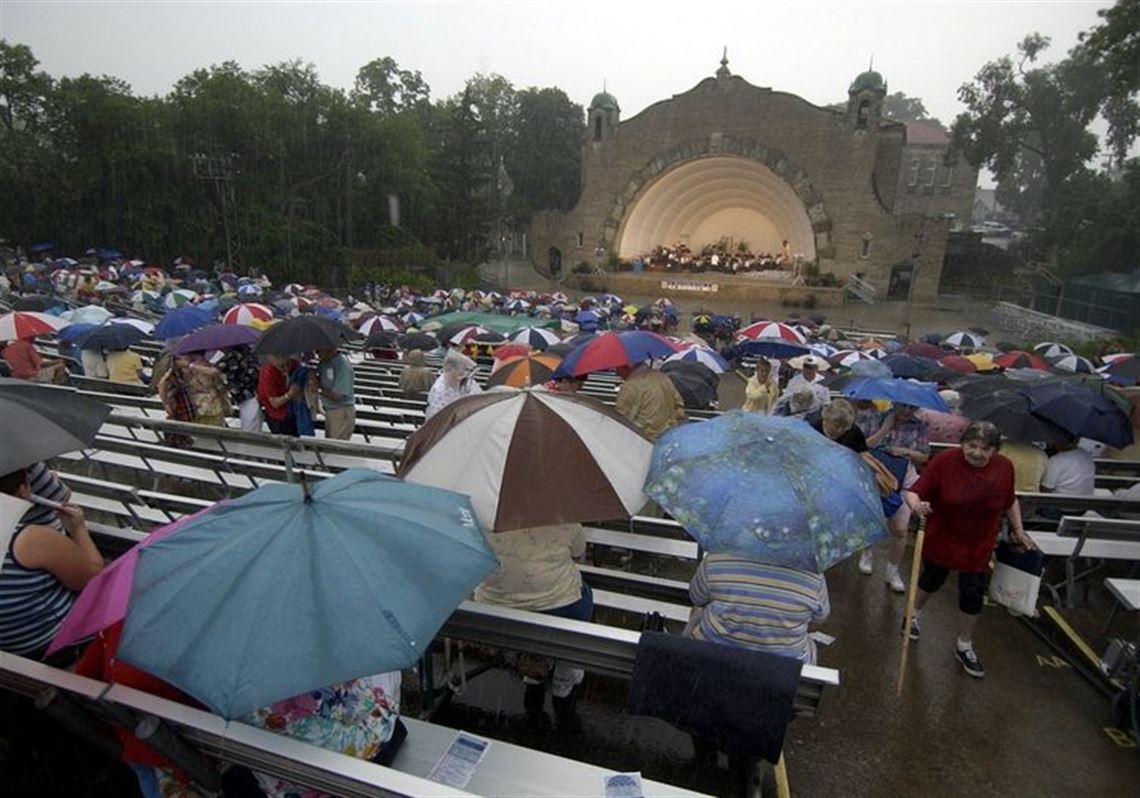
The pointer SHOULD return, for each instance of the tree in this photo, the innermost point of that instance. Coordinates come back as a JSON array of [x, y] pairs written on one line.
[[385, 89], [545, 156], [1115, 45], [900, 107]]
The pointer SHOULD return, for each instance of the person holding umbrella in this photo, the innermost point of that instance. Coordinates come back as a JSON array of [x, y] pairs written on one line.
[[964, 493], [275, 392], [335, 388]]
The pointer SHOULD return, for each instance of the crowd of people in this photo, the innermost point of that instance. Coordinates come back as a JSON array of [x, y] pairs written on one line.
[[718, 257]]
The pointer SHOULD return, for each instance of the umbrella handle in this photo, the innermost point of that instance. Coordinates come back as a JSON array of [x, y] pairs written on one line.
[[911, 593]]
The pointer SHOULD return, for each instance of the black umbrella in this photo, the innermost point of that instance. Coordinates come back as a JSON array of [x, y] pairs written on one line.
[[934, 338], [421, 341], [1009, 411], [696, 383], [1082, 412], [563, 348], [37, 303], [1124, 372], [1007, 346], [910, 366], [113, 337], [38, 422], [972, 385], [381, 339], [303, 334]]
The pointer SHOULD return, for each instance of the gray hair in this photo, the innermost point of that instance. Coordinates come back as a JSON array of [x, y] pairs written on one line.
[[984, 432], [839, 412]]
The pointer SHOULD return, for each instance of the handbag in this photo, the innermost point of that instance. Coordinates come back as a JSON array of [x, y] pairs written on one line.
[[1016, 579]]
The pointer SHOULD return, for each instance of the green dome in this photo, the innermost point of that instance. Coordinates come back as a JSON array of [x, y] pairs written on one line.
[[605, 102], [869, 80]]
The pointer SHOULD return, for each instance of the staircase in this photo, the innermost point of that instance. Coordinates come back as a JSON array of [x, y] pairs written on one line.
[[861, 289]]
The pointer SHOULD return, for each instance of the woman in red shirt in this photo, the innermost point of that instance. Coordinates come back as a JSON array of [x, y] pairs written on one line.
[[274, 393], [964, 492]]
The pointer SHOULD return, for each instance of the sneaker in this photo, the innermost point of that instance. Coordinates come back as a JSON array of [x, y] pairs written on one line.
[[894, 579], [915, 629], [866, 563], [970, 663]]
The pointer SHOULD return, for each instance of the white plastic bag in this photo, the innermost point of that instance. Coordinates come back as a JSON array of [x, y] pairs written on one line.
[[1015, 589]]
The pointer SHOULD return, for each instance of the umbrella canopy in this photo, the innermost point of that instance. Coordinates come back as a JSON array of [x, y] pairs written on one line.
[[849, 357], [303, 334], [37, 303], [381, 340], [981, 384], [611, 350], [1123, 371], [182, 321], [522, 372], [964, 340], [145, 326], [247, 313], [909, 366], [379, 324], [1080, 411], [1017, 359], [507, 351], [217, 336], [959, 364], [1049, 349], [532, 458], [696, 382], [1074, 364], [1009, 411], [179, 297], [918, 394], [113, 337], [770, 488], [90, 314], [75, 332], [772, 330], [467, 334], [703, 355], [421, 341], [924, 349], [287, 590], [536, 338], [38, 422], [21, 325]]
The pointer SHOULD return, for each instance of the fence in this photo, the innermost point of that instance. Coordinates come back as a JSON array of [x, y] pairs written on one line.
[[1034, 325]]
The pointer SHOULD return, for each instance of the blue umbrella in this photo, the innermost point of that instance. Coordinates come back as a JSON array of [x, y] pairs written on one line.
[[113, 337], [1080, 411], [74, 332], [217, 336], [906, 392], [767, 487], [769, 347], [871, 368], [284, 591], [179, 322]]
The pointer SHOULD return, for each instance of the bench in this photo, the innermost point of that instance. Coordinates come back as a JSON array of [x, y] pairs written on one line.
[[1126, 592], [506, 770], [1091, 537]]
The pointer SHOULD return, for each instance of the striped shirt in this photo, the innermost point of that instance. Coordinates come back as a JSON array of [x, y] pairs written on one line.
[[33, 603], [747, 604]]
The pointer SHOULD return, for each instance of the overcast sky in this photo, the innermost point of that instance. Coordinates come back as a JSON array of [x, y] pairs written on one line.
[[645, 51]]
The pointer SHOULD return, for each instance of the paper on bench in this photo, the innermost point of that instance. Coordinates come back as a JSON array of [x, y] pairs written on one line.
[[623, 785], [460, 761]]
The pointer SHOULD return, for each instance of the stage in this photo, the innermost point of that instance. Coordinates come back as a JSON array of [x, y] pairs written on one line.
[[753, 287]]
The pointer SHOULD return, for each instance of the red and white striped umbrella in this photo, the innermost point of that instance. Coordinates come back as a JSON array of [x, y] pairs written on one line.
[[1117, 357], [22, 324], [532, 457], [849, 357], [380, 324], [467, 334], [772, 330], [247, 313]]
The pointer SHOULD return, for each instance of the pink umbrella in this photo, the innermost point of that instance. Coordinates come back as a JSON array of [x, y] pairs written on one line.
[[104, 600]]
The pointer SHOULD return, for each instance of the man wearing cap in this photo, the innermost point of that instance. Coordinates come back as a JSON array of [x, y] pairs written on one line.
[[810, 378]]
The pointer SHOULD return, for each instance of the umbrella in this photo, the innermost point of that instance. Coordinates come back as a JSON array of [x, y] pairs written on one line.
[[918, 394], [1080, 411], [1009, 411], [696, 382], [507, 351], [703, 355], [536, 338], [90, 314], [964, 340], [982, 384], [179, 297], [1017, 359], [1074, 363], [932, 338], [770, 347], [610, 350], [770, 488], [20, 325], [849, 357], [512, 451], [37, 303], [588, 319], [1048, 349], [772, 330], [876, 352], [379, 324], [568, 345], [303, 334], [465, 335], [521, 372], [1123, 371], [421, 341], [923, 349], [38, 422], [959, 364], [910, 366], [73, 332], [145, 326], [179, 322], [113, 337], [247, 313], [217, 336], [380, 340], [289, 589]]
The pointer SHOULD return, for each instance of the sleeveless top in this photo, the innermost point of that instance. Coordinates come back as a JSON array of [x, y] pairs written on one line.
[[33, 603]]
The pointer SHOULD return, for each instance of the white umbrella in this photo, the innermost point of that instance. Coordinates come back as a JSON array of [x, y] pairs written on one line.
[[1049, 349]]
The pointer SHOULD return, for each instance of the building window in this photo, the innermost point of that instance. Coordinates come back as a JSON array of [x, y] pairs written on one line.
[[949, 181], [931, 171], [598, 128], [579, 240], [864, 114], [913, 179], [865, 251]]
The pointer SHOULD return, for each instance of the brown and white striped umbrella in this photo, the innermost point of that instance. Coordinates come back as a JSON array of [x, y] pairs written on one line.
[[532, 458]]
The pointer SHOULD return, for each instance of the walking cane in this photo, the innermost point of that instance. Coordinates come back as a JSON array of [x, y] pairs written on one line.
[[911, 592]]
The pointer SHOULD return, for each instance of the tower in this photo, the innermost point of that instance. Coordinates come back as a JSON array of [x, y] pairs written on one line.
[[865, 98], [605, 113]]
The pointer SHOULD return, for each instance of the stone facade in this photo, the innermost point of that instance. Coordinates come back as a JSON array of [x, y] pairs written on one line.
[[833, 183]]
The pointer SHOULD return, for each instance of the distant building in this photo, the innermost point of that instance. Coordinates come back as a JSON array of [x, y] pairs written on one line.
[[727, 159]]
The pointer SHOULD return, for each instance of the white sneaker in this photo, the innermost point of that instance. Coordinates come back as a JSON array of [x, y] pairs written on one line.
[[866, 563], [894, 579]]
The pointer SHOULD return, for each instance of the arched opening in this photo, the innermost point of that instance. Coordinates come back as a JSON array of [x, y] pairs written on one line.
[[716, 199], [554, 261], [598, 128], [899, 285]]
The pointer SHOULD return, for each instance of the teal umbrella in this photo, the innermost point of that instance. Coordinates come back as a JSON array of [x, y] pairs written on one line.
[[290, 589], [767, 487]]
